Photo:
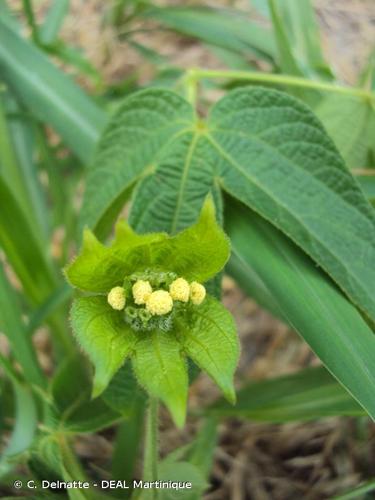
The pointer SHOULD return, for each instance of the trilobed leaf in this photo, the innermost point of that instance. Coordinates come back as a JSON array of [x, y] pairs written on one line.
[[103, 335], [161, 369], [209, 338]]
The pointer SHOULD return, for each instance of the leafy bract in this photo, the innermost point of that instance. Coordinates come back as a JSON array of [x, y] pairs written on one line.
[[197, 253], [99, 268], [206, 334], [103, 335], [160, 367], [209, 338]]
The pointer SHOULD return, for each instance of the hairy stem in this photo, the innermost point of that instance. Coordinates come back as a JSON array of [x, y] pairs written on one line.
[[197, 74], [150, 463]]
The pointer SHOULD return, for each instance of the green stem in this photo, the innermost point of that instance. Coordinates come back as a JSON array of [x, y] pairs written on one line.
[[150, 460], [191, 84], [197, 74]]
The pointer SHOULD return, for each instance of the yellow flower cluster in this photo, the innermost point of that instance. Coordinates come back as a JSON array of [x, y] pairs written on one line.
[[141, 291], [158, 302], [180, 290], [116, 298], [197, 293]]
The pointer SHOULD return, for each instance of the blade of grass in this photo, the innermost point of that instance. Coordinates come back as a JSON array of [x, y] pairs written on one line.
[[49, 30], [223, 28], [359, 492], [50, 94], [308, 300], [8, 161], [12, 325], [32, 266], [307, 395], [22, 130], [23, 250], [59, 297], [24, 428], [29, 13]]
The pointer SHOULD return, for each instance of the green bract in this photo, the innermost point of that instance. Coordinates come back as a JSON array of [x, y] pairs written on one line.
[[206, 332]]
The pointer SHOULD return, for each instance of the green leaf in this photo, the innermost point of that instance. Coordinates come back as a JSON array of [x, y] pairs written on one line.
[[298, 38], [123, 394], [307, 395], [210, 339], [198, 253], [90, 416], [160, 367], [181, 472], [53, 22], [139, 130], [12, 325], [367, 183], [338, 113], [274, 155], [186, 171], [103, 335], [23, 250], [22, 131], [313, 306], [286, 58], [99, 268], [25, 426], [221, 28], [75, 58], [358, 492], [49, 94], [128, 439], [72, 399], [203, 447]]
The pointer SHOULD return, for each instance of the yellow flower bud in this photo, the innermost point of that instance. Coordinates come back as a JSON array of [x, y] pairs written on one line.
[[197, 293], [159, 303], [116, 298], [179, 290], [141, 291]]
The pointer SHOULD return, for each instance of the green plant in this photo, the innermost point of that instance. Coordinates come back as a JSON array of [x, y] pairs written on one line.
[[148, 305], [301, 231]]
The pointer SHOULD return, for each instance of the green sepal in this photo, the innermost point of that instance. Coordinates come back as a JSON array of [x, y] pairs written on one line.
[[208, 336], [161, 369], [103, 335]]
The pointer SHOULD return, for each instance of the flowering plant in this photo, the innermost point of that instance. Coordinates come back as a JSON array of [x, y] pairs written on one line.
[[145, 300]]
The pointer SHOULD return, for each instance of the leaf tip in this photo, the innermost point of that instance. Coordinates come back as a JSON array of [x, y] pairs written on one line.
[[230, 393], [98, 387]]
